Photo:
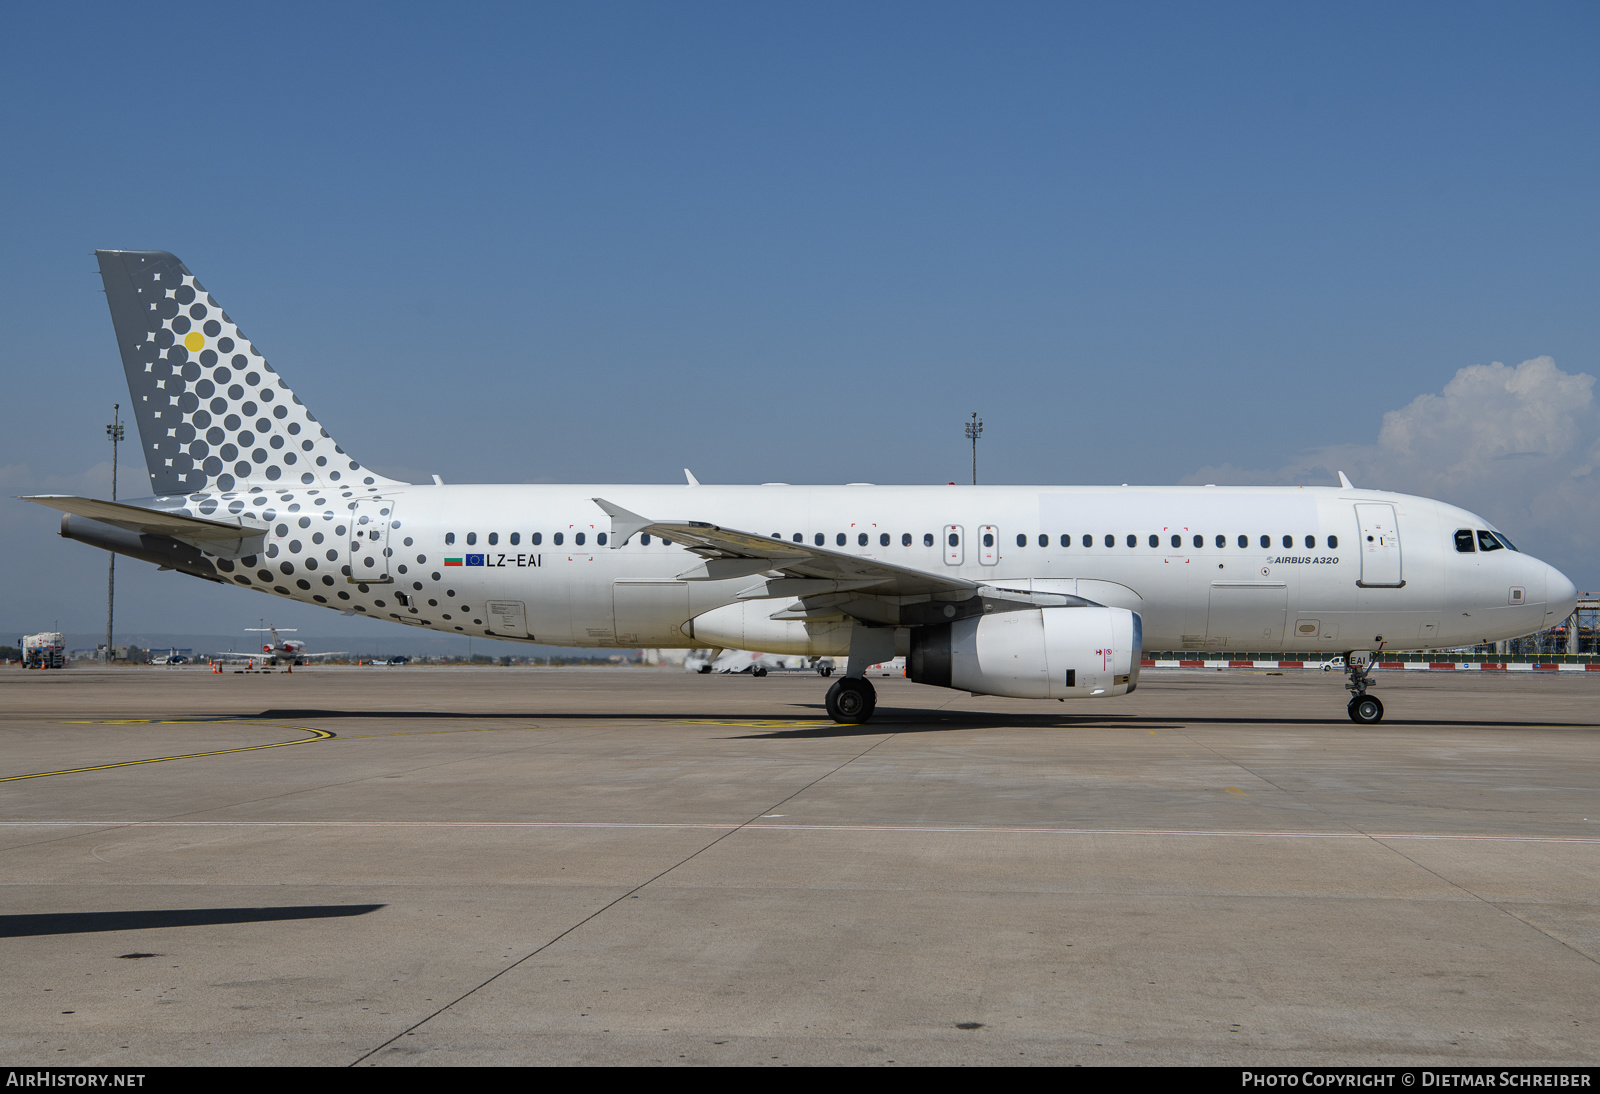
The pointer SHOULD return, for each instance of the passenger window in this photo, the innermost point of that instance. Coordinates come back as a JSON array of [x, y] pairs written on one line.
[[1155, 540], [927, 539], [538, 538], [955, 540], [1022, 539], [1288, 541], [516, 538], [578, 539], [799, 537], [472, 537], [1487, 542], [1333, 543], [600, 538], [861, 539], [494, 538], [1222, 541], [1133, 540], [1066, 540], [1044, 540], [838, 540], [556, 539], [1266, 541], [1244, 541], [1088, 540], [644, 539], [665, 542], [449, 537], [1177, 541], [988, 539], [883, 539], [905, 539], [819, 539], [1311, 543]]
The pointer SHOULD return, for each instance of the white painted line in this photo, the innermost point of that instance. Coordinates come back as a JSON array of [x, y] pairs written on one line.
[[887, 828]]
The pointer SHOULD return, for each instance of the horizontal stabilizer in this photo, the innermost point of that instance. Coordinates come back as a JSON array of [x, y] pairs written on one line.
[[228, 538]]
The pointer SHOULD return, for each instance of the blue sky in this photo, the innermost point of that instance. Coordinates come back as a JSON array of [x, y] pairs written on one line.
[[600, 242]]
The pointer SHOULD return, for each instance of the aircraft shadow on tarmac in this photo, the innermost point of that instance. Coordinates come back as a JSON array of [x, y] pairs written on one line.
[[889, 720], [22, 926]]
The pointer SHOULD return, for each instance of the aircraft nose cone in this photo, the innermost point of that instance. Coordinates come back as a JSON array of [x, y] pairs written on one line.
[[1560, 594]]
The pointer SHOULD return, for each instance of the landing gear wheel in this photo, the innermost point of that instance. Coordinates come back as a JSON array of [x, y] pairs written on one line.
[[851, 701], [704, 669], [759, 670], [1366, 710], [824, 671]]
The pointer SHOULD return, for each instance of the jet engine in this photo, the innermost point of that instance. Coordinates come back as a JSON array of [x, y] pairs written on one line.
[[1039, 653]]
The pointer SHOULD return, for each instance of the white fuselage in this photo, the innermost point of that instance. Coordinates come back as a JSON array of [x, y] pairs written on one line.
[[533, 566]]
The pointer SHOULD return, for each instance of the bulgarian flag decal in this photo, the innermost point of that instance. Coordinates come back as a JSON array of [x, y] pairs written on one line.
[[452, 562]]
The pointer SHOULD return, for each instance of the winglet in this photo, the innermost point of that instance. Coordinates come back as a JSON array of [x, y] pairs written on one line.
[[690, 476], [1344, 482], [624, 524]]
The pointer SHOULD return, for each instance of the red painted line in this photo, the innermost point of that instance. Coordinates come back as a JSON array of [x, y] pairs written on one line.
[[1147, 664], [1492, 666], [1291, 664], [1591, 668], [1442, 666], [1546, 668], [1191, 664], [1391, 664], [1241, 664]]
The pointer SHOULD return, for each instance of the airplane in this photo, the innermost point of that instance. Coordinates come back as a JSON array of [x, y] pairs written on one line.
[[292, 650], [754, 662], [1036, 592]]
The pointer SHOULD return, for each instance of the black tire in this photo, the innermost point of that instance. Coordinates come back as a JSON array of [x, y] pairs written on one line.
[[759, 670], [1366, 710], [705, 670], [851, 701], [824, 671]]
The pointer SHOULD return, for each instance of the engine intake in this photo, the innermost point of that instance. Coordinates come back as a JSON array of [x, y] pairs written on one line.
[[1042, 653]]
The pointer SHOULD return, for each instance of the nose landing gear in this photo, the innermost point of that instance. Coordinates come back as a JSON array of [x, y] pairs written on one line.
[[1364, 709]]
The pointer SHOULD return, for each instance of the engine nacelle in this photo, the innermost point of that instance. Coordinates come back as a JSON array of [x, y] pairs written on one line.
[[1038, 653]]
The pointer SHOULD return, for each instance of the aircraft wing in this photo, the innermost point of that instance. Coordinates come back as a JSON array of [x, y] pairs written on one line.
[[222, 537], [809, 570]]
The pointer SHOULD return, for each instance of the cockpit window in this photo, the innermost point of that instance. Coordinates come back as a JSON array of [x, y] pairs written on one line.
[[1501, 537], [1464, 541], [1487, 542]]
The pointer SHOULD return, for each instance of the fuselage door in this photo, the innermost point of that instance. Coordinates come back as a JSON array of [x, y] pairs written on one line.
[[954, 550], [1380, 546], [988, 544], [368, 539]]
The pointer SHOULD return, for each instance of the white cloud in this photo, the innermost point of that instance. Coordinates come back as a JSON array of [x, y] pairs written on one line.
[[1519, 445]]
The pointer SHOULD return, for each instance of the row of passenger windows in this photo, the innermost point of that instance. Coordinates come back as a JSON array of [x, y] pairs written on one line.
[[841, 539], [1486, 541], [535, 539]]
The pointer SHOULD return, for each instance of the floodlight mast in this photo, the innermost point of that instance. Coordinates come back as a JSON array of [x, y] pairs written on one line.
[[114, 431], [974, 428]]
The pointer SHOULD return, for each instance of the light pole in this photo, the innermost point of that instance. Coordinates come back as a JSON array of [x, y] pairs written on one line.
[[114, 431], [974, 428]]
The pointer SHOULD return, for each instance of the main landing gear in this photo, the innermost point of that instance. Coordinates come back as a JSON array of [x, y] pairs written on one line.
[[1364, 709], [851, 700]]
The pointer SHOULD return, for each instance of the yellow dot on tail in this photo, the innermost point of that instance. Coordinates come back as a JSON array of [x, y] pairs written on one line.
[[194, 342]]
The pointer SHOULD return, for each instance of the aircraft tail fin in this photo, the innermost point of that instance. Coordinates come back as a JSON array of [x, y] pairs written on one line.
[[213, 416]]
